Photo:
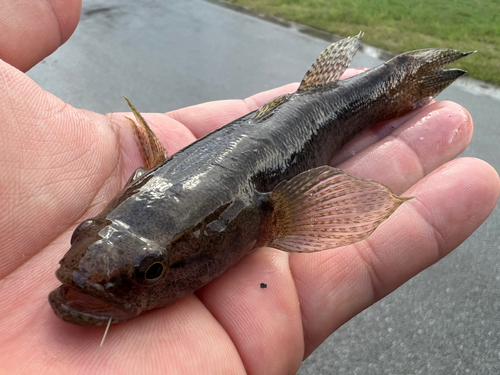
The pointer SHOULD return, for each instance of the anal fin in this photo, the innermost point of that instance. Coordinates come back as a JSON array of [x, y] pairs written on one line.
[[152, 150], [324, 208]]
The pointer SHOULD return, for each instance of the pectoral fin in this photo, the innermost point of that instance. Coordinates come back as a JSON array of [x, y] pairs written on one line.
[[137, 174], [152, 150], [325, 208]]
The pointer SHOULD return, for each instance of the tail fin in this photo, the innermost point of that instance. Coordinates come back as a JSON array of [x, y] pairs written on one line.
[[435, 82], [434, 58], [428, 64], [418, 76]]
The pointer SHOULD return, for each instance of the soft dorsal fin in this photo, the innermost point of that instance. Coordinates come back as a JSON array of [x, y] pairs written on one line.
[[331, 63]]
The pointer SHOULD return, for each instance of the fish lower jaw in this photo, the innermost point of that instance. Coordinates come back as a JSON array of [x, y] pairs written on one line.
[[76, 307]]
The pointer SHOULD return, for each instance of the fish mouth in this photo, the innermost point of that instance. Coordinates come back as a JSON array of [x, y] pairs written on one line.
[[77, 307]]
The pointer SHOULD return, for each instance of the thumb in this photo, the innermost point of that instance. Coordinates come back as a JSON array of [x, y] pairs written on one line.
[[54, 161], [30, 30]]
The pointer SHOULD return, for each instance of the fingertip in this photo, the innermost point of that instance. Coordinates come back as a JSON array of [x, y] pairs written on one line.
[[68, 16], [204, 118], [486, 183], [469, 175], [32, 30], [456, 199], [257, 100], [441, 132], [353, 72]]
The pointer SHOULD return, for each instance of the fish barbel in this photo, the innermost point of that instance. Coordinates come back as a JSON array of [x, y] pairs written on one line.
[[261, 180]]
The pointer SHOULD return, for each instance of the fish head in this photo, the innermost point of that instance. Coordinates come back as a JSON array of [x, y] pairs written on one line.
[[109, 272], [134, 257]]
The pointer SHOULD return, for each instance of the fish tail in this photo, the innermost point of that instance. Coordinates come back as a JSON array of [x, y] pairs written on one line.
[[430, 62], [419, 76]]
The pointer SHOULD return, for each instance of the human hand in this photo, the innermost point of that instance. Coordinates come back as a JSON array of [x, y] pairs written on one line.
[[60, 165], [30, 30]]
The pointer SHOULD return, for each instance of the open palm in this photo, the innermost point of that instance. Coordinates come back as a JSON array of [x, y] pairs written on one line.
[[60, 165]]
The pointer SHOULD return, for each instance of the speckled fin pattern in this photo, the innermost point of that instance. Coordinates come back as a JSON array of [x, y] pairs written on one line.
[[269, 107], [325, 208], [331, 63], [152, 150]]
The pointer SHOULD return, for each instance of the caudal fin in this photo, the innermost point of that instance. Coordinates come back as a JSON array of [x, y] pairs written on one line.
[[428, 69], [418, 76]]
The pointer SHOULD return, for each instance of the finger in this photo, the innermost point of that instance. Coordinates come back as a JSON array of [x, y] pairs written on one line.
[[436, 123], [204, 118], [423, 140], [181, 127], [374, 134], [426, 139], [333, 286], [30, 30]]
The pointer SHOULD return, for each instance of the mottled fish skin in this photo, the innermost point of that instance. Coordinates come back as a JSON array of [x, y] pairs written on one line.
[[176, 227]]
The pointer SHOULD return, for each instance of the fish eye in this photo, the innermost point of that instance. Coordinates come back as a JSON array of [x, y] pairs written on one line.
[[81, 228], [154, 271], [151, 269]]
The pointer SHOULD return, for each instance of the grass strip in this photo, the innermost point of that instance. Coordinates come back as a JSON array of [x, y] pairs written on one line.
[[400, 26]]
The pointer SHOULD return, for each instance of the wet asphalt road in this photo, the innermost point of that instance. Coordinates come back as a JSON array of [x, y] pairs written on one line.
[[166, 55]]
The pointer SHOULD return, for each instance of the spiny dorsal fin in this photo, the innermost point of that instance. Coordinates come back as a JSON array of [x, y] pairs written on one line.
[[269, 106], [324, 208], [331, 63], [152, 150]]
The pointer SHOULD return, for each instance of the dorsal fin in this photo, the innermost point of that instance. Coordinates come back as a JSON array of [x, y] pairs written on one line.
[[331, 63], [269, 106], [152, 150]]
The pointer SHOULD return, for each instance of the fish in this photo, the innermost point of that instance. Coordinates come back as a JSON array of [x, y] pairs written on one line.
[[261, 180]]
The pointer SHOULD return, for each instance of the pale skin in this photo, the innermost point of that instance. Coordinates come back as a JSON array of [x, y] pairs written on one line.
[[60, 165]]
